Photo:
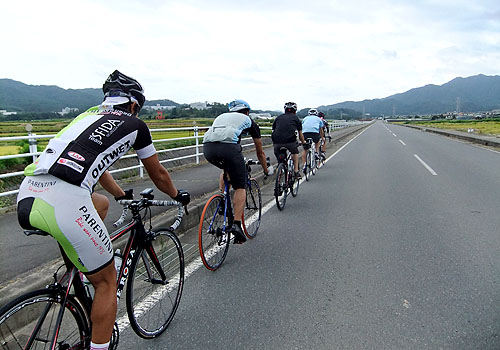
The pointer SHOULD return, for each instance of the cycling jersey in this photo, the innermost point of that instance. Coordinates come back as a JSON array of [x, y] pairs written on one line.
[[90, 144], [284, 128], [229, 127], [311, 123], [55, 195]]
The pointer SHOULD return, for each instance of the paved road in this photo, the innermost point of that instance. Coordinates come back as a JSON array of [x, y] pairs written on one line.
[[381, 250]]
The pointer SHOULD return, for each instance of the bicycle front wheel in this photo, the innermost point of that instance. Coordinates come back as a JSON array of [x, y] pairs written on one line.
[[155, 284], [213, 234], [280, 187], [253, 210], [29, 321]]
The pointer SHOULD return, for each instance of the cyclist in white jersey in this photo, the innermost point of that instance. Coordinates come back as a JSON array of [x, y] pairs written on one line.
[[56, 195]]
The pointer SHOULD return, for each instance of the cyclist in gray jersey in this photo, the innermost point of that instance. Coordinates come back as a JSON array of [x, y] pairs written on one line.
[[56, 195], [221, 147]]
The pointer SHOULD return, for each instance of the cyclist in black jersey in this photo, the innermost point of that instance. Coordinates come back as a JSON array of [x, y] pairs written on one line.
[[285, 127], [57, 194]]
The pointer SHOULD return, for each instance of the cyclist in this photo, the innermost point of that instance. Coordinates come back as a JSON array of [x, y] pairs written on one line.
[[326, 131], [56, 195], [284, 128], [221, 147], [312, 127]]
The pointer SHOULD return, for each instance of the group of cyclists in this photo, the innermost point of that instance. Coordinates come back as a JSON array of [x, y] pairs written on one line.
[[58, 189]]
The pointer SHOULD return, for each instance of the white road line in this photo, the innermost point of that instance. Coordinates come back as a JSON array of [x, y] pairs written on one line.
[[393, 134], [425, 165], [148, 303], [404, 144]]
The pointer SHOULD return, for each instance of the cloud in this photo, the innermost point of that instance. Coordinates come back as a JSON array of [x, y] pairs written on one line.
[[316, 52]]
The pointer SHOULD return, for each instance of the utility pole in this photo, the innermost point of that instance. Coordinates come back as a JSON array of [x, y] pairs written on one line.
[[458, 105]]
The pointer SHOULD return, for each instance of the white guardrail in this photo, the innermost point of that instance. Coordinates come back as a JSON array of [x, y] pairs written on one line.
[[334, 124]]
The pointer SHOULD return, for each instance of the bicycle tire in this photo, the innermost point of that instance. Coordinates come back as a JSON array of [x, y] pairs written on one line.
[[152, 300], [213, 240], [314, 163], [280, 187], [307, 166], [294, 190], [253, 210], [19, 320]]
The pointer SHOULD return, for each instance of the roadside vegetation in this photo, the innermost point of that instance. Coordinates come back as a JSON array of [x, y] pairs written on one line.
[[483, 126]]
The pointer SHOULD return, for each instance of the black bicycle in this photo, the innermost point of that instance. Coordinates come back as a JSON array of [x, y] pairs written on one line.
[[285, 182], [58, 316], [217, 218]]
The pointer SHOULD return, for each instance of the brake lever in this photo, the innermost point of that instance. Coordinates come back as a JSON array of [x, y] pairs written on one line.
[[186, 210]]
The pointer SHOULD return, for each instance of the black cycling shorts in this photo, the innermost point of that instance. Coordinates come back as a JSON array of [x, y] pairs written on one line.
[[311, 135], [228, 156], [293, 147]]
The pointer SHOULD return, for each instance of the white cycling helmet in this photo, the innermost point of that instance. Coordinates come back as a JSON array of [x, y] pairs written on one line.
[[238, 105], [313, 111]]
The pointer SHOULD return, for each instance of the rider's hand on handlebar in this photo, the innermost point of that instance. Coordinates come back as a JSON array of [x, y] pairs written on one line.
[[183, 197], [270, 170], [129, 194]]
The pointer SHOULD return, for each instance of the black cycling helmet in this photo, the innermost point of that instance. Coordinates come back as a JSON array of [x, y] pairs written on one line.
[[120, 85], [291, 105], [321, 114]]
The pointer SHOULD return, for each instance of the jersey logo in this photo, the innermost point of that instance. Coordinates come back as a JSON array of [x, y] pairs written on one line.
[[106, 129], [76, 156], [71, 164]]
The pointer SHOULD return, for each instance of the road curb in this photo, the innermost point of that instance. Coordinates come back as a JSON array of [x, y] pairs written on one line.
[[43, 276]]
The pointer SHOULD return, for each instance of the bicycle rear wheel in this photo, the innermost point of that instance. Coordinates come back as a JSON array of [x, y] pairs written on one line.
[[314, 163], [155, 284], [294, 188], [307, 166], [280, 187], [213, 239], [253, 210], [28, 322]]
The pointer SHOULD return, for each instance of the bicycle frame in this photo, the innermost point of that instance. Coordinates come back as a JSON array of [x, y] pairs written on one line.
[[138, 239]]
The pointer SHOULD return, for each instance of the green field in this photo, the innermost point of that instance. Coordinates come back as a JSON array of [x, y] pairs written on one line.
[[484, 127]]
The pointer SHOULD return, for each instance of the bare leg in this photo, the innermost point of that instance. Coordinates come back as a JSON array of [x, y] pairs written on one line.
[[103, 313], [295, 158], [239, 202], [101, 203]]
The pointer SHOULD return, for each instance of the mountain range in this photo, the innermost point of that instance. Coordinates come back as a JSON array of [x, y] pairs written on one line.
[[471, 94]]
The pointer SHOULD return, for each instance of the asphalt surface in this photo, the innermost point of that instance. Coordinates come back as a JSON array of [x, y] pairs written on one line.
[[376, 252], [24, 259]]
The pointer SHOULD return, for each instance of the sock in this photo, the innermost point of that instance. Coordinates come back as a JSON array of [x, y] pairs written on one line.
[[94, 346], [238, 223]]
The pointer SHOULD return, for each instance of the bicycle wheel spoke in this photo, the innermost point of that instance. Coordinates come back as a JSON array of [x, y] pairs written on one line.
[[152, 300], [252, 223], [29, 322], [213, 237]]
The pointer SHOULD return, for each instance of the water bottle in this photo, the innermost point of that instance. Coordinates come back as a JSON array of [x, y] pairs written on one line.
[[88, 286], [118, 262]]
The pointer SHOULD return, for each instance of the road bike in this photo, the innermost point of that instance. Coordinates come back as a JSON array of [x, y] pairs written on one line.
[[217, 218], [58, 316], [321, 155], [311, 164], [285, 182]]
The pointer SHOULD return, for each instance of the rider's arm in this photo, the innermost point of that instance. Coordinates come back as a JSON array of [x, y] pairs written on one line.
[[109, 184], [159, 175], [301, 137], [260, 153]]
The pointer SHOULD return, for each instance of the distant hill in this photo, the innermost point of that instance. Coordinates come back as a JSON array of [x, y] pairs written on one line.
[[20, 97], [475, 93]]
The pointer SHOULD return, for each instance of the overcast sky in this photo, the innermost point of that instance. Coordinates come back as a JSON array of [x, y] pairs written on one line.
[[313, 52]]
